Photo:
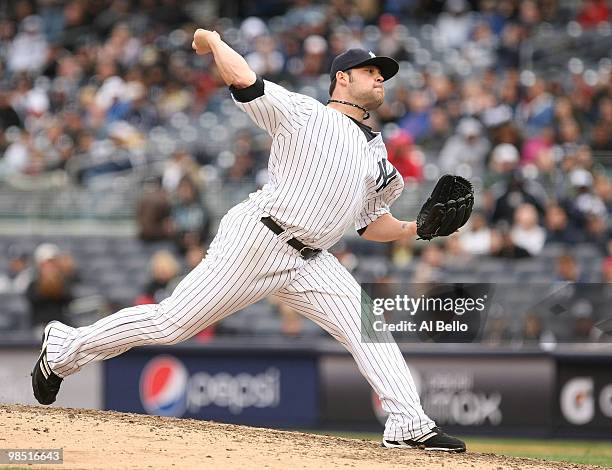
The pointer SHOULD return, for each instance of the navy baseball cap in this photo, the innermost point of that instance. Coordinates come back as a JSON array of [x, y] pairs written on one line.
[[360, 58]]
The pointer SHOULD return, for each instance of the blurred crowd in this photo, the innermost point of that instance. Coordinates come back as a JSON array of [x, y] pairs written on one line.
[[87, 87]]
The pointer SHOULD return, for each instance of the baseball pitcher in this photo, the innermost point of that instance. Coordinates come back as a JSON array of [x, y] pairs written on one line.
[[328, 172]]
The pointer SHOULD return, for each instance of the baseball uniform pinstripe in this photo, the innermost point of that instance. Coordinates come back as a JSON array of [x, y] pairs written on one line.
[[325, 175]]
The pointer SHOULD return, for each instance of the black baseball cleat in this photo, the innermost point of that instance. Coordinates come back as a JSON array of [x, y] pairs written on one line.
[[45, 383], [435, 439]]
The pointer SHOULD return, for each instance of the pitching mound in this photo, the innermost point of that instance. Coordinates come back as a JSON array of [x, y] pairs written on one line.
[[110, 440]]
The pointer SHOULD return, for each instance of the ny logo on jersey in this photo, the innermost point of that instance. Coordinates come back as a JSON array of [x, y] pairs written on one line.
[[384, 177]]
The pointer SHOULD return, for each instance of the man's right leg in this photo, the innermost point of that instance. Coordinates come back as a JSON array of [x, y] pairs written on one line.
[[245, 263]]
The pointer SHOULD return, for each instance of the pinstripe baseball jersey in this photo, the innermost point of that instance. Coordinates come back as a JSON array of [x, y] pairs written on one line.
[[324, 173]]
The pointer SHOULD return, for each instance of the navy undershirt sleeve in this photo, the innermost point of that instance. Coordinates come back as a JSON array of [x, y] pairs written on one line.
[[244, 95]]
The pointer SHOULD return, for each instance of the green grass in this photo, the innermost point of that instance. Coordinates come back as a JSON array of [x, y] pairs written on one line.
[[587, 452], [575, 451]]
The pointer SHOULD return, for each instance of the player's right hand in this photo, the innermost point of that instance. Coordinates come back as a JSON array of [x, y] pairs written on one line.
[[202, 39]]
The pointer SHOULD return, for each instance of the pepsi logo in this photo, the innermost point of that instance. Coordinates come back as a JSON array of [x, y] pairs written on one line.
[[163, 385]]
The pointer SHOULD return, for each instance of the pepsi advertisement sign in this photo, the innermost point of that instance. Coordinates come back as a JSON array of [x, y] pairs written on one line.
[[265, 390]]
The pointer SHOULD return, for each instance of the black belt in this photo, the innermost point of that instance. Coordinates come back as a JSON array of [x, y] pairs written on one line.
[[305, 251]]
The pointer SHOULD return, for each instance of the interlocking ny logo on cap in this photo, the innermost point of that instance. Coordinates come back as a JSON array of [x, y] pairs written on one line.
[[372, 54]]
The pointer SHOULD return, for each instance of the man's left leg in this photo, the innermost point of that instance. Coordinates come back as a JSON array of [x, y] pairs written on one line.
[[325, 292]]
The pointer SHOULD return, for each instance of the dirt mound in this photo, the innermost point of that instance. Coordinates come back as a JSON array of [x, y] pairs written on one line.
[[109, 440]]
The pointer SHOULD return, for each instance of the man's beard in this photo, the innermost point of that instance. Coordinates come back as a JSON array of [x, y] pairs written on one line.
[[373, 100], [380, 99]]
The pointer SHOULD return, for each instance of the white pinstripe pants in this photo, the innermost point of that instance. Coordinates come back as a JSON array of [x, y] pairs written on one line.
[[245, 263]]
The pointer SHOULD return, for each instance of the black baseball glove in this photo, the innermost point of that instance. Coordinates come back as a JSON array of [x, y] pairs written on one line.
[[447, 209]]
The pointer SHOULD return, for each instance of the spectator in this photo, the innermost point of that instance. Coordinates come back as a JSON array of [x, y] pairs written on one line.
[[549, 175], [593, 13], [404, 157], [567, 269], [28, 51], [18, 157], [518, 191], [569, 133], [491, 14], [291, 321], [606, 270], [181, 165], [454, 24], [438, 133], [601, 139], [345, 256], [597, 232], [266, 60], [604, 109], [455, 255], [564, 111], [417, 122], [314, 61], [526, 233], [115, 155], [603, 190], [584, 202], [584, 330], [8, 115], [164, 269], [193, 257], [529, 15], [402, 252], [241, 170], [533, 146], [503, 245], [477, 239], [464, 152], [390, 43], [153, 213], [190, 217], [429, 268], [475, 98], [558, 228], [504, 160], [141, 113], [481, 49], [534, 331], [498, 331], [508, 52], [537, 109], [19, 273], [50, 291]]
